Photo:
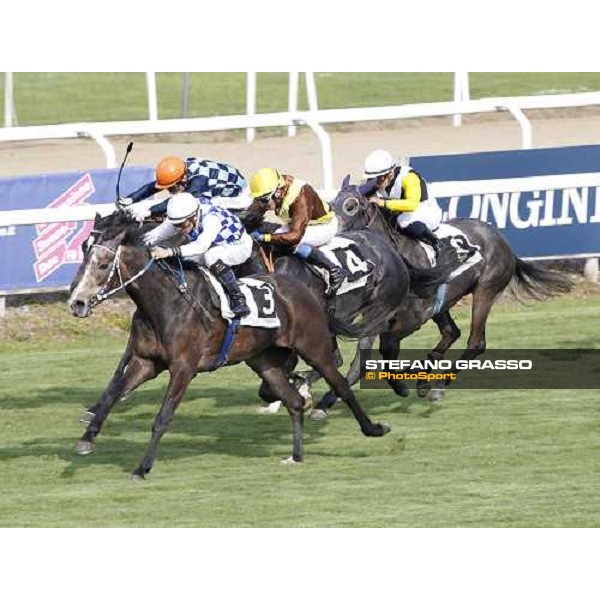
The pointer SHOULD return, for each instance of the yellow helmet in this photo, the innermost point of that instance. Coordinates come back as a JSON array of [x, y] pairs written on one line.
[[265, 182]]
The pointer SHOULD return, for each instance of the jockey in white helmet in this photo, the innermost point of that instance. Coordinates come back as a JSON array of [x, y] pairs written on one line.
[[401, 189], [213, 237]]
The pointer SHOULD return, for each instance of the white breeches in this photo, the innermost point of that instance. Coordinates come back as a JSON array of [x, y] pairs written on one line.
[[428, 212], [232, 254], [316, 235]]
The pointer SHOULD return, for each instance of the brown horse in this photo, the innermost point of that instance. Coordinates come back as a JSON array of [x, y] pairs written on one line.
[[183, 332]]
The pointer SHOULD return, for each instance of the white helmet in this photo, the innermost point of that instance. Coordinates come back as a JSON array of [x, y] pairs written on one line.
[[379, 162], [181, 207]]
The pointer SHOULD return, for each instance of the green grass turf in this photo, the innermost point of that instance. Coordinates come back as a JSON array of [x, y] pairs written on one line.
[[479, 458], [43, 98]]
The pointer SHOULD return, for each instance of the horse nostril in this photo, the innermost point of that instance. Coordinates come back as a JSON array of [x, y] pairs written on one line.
[[79, 308]]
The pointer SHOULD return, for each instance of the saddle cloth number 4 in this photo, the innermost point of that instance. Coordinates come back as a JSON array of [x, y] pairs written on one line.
[[353, 261]]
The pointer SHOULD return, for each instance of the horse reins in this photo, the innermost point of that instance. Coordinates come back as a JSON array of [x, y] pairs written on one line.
[[115, 267], [267, 259]]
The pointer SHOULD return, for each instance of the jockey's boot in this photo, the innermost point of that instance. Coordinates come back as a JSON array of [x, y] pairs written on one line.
[[231, 285], [419, 231], [337, 274]]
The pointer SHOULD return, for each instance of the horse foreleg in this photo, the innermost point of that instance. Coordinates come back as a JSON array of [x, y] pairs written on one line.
[[389, 346], [131, 373], [353, 375], [178, 384]]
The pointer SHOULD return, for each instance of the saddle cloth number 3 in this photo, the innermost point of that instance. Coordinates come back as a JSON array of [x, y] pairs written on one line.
[[265, 302], [353, 261]]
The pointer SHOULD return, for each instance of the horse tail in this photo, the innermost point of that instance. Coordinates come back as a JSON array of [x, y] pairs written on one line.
[[538, 282]]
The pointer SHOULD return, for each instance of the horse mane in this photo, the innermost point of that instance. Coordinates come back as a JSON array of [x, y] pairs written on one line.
[[118, 222]]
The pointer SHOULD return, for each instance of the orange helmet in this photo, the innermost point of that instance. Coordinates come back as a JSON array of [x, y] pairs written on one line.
[[169, 171]]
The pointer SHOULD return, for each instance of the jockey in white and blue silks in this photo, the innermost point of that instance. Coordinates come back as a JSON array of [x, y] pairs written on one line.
[[215, 238], [211, 182]]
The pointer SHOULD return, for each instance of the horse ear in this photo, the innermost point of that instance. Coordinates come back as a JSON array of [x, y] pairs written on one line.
[[346, 182]]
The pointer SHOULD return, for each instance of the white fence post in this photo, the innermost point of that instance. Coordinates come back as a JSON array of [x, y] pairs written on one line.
[[313, 123], [2, 306], [185, 95], [591, 269], [461, 92], [8, 100], [293, 99], [152, 102], [250, 102], [311, 91]]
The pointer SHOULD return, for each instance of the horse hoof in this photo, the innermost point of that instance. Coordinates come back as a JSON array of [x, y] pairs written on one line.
[[84, 448], [272, 409], [377, 430], [87, 417], [137, 479], [402, 392], [318, 414], [290, 460], [437, 394], [423, 390], [385, 428]]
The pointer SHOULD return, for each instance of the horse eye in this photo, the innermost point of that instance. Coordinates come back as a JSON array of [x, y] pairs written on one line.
[[351, 206]]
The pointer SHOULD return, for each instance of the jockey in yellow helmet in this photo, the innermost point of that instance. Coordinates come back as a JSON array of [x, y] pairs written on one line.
[[309, 223]]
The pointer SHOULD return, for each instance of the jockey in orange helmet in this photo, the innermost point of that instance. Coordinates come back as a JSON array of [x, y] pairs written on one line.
[[211, 182]]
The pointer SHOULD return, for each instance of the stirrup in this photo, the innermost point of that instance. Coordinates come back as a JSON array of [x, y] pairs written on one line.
[[239, 310]]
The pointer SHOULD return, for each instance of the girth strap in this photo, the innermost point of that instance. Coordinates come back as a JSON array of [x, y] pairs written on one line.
[[230, 335]]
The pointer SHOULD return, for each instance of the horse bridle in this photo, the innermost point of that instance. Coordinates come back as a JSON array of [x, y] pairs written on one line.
[[115, 267], [369, 212]]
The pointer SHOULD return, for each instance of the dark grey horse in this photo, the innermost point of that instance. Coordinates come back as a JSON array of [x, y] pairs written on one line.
[[485, 280], [406, 282], [182, 331]]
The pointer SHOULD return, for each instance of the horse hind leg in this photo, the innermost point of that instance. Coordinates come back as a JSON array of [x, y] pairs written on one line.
[[269, 366], [483, 301], [450, 333], [320, 356]]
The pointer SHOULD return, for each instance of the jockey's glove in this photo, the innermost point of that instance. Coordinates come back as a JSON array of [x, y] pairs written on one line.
[[158, 252], [139, 212], [260, 237], [123, 203]]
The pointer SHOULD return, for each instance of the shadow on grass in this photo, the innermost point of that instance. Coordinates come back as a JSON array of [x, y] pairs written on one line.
[[201, 387], [251, 436]]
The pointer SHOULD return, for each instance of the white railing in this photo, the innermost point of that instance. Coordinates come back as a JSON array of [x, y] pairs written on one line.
[[314, 118]]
